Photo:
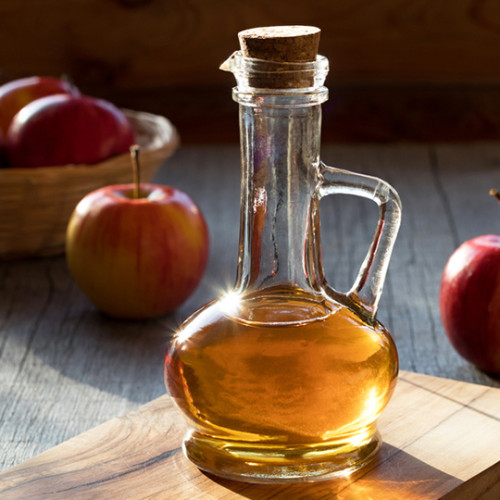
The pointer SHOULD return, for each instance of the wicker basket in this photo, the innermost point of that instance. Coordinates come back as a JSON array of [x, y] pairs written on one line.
[[36, 203]]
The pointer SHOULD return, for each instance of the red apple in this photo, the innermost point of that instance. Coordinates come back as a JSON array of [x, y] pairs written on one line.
[[470, 301], [66, 129], [15, 94], [3, 153], [137, 257]]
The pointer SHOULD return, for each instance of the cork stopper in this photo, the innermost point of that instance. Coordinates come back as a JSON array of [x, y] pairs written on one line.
[[281, 44]]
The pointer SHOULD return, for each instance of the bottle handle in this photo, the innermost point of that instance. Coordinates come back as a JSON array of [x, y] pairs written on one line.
[[367, 288]]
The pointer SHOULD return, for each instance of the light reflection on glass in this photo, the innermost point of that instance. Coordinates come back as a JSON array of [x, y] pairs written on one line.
[[230, 302]]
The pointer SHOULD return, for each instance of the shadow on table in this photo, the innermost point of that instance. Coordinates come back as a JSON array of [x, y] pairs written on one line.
[[122, 357], [49, 319]]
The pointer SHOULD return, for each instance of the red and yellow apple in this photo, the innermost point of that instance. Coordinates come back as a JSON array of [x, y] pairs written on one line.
[[15, 94], [469, 300], [137, 257], [66, 129]]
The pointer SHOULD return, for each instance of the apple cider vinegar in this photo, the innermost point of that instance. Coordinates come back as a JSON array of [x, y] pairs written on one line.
[[280, 378], [283, 378]]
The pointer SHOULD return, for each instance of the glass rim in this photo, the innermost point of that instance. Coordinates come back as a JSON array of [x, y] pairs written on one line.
[[280, 98], [239, 62]]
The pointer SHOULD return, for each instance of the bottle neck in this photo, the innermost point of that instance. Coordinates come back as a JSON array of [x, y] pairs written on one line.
[[280, 143]]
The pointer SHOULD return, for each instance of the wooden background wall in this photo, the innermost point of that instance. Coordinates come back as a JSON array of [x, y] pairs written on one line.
[[401, 69]]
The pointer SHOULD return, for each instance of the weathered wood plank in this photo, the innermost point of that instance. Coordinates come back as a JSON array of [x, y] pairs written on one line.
[[64, 368]]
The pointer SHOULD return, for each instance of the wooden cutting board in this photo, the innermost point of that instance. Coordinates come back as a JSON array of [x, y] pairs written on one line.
[[441, 440]]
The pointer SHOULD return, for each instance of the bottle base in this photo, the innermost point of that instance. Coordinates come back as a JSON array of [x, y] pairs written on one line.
[[257, 463]]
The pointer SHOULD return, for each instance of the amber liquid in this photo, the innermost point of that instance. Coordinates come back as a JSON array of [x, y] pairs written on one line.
[[280, 385]]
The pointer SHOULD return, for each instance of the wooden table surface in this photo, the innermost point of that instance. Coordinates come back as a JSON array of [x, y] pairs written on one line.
[[64, 368]]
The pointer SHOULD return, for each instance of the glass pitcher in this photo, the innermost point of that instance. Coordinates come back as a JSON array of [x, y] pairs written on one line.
[[282, 378]]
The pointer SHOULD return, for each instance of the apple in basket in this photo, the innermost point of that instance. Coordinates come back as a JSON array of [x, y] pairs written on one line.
[[15, 94], [137, 250], [66, 129], [3, 154], [470, 300]]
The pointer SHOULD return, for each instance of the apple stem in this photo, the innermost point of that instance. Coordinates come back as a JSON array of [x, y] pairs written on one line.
[[134, 154], [74, 89], [495, 194]]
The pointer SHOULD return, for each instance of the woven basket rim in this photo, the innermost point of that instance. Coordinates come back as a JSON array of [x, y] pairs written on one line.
[[165, 138]]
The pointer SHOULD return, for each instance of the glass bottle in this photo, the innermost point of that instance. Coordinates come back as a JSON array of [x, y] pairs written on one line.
[[282, 378]]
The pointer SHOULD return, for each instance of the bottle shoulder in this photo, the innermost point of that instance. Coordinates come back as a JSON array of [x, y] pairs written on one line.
[[283, 311]]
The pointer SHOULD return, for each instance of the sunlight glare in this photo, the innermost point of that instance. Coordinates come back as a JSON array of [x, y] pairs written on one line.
[[230, 302]]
